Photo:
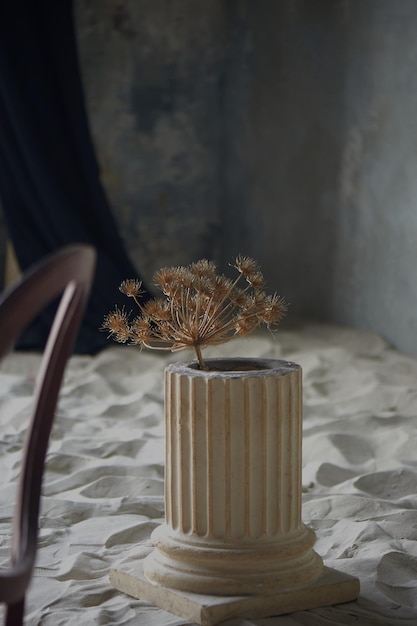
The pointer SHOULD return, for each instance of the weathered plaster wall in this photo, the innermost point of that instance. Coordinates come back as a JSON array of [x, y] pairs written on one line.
[[375, 263], [153, 76], [293, 143], [282, 129]]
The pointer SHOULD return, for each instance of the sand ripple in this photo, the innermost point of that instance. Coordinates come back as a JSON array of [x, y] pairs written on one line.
[[103, 488]]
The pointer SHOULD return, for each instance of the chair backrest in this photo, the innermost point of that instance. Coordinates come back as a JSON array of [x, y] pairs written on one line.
[[68, 273]]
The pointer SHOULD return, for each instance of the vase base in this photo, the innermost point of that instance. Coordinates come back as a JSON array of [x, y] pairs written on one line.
[[333, 587], [198, 565]]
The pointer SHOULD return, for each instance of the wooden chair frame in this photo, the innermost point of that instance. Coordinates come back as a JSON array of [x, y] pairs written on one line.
[[68, 273]]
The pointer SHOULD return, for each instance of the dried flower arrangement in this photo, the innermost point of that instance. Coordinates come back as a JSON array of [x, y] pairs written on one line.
[[201, 308]]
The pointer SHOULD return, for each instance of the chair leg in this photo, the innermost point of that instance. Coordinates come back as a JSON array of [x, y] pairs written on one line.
[[14, 614]]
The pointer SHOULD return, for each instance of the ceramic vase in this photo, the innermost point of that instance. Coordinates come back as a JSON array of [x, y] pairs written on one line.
[[233, 481]]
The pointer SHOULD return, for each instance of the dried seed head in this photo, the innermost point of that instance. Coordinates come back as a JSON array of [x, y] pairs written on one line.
[[188, 280], [274, 310], [246, 325], [240, 298], [141, 326], [168, 279], [131, 287], [256, 280], [156, 309], [203, 269], [259, 300], [221, 286], [203, 287], [140, 331], [117, 323], [245, 265]]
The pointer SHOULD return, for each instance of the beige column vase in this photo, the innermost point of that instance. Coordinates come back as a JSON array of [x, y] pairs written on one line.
[[233, 481]]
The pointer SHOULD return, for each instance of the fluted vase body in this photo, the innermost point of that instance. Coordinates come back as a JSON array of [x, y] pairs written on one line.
[[233, 481]]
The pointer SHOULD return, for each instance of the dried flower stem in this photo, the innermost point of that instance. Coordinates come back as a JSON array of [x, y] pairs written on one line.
[[200, 308], [200, 360]]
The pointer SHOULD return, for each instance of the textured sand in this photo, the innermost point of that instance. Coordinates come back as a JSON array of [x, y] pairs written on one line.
[[103, 488]]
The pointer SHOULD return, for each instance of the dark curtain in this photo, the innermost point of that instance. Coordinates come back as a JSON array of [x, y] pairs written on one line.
[[50, 189]]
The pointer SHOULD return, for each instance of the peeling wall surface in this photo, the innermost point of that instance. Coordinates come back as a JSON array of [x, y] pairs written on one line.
[[282, 129]]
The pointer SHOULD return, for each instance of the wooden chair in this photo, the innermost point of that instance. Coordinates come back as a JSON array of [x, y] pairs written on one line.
[[67, 273]]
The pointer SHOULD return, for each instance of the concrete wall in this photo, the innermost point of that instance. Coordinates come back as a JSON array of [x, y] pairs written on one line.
[[283, 129]]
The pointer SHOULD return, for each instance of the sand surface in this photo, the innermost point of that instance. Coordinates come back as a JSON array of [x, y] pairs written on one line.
[[103, 487]]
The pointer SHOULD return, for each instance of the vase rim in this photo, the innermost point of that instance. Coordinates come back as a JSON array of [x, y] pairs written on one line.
[[236, 367]]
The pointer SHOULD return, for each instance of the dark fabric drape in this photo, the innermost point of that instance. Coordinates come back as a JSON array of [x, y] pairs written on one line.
[[50, 189]]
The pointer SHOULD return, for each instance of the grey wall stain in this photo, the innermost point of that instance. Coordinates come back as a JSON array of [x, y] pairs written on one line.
[[151, 74]]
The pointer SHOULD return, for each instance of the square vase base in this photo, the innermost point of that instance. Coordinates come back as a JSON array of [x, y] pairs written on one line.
[[333, 587]]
